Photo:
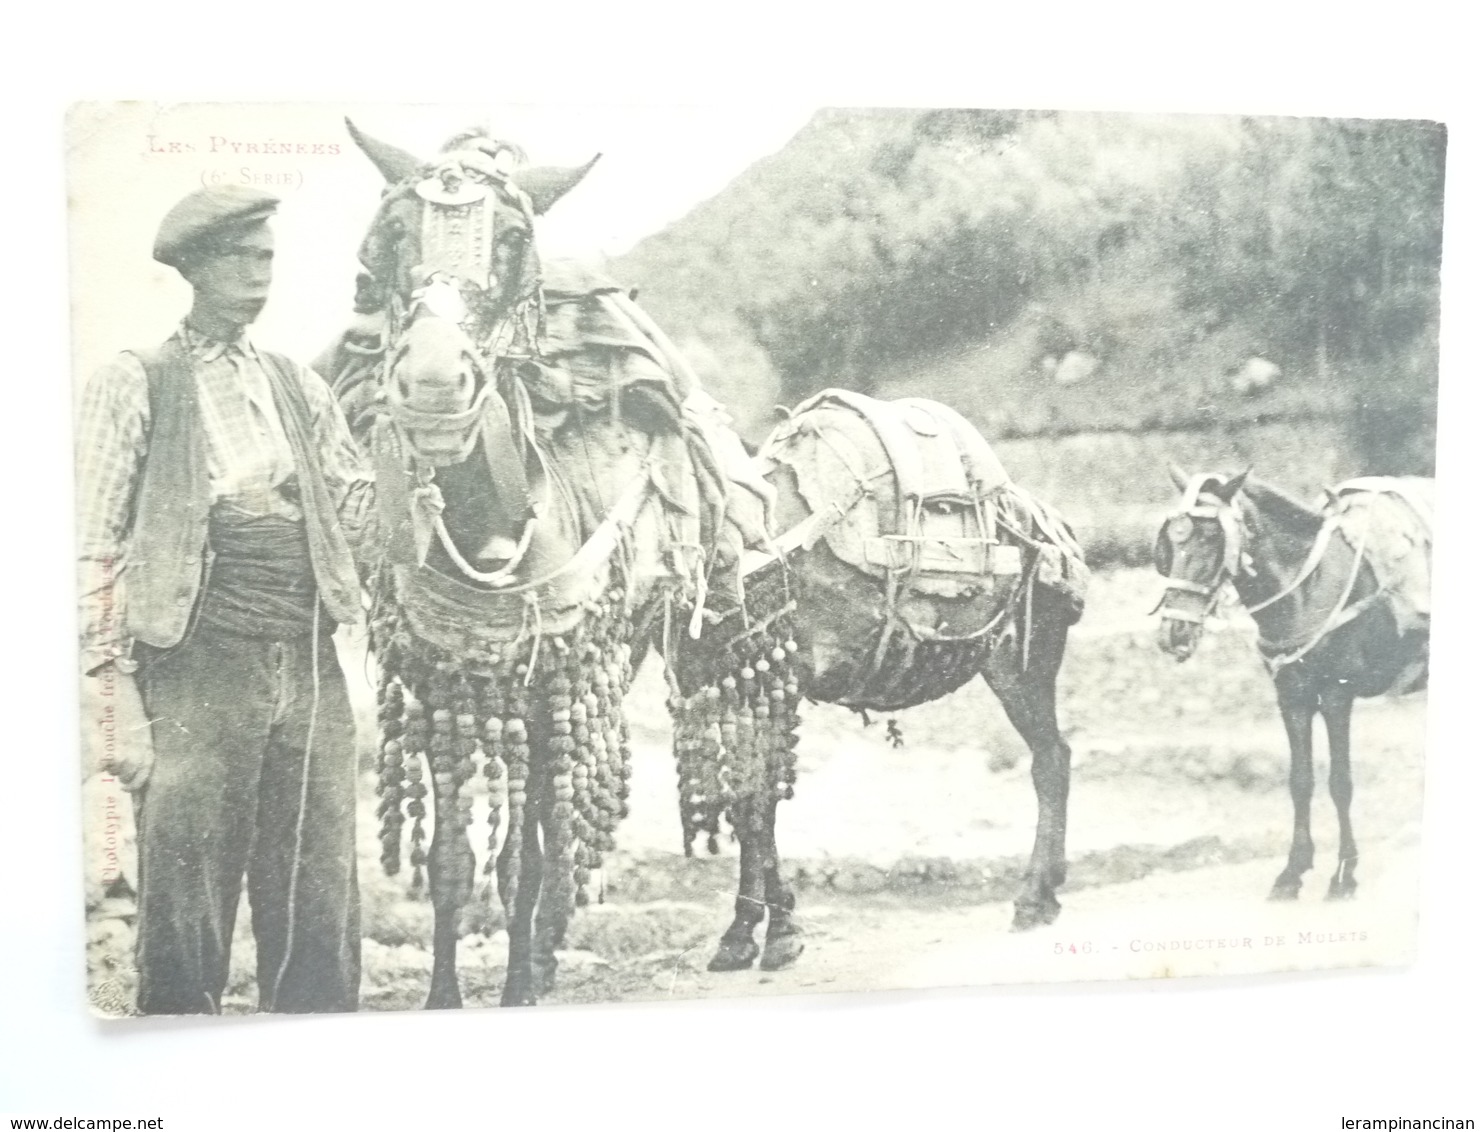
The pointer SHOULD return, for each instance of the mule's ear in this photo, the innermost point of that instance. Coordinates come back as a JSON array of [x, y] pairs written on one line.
[[547, 184], [396, 165], [1228, 491], [1178, 476]]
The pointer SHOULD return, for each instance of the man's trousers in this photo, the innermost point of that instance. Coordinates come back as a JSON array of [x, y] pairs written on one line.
[[254, 775]]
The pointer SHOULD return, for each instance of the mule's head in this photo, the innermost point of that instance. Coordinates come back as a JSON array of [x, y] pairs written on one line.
[[1199, 550], [451, 258]]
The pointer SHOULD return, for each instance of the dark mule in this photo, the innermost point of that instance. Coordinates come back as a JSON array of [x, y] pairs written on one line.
[[537, 492], [1330, 627], [878, 642]]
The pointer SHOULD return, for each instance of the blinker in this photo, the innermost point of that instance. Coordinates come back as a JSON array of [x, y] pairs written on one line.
[[1164, 554]]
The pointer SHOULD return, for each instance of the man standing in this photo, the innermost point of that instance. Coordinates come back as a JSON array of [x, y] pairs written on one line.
[[220, 493]]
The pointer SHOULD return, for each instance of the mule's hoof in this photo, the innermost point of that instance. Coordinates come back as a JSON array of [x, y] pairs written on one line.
[[1035, 914], [733, 955], [1341, 889], [781, 950], [1284, 890]]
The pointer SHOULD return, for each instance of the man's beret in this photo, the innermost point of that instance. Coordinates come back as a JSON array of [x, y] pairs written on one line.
[[207, 211]]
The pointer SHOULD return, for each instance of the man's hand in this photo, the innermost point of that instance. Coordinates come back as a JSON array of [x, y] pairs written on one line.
[[116, 729]]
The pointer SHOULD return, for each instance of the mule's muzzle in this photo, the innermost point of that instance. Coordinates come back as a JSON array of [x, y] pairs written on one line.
[[435, 387], [1179, 637]]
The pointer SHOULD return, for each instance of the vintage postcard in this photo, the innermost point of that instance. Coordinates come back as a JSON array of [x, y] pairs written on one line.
[[552, 554]]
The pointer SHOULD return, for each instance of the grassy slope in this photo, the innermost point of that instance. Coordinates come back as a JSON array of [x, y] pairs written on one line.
[[1164, 367]]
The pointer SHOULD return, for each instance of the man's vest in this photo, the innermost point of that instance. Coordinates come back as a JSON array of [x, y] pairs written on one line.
[[168, 541]]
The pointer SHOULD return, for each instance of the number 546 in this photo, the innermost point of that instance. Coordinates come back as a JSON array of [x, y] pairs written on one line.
[[1071, 948]]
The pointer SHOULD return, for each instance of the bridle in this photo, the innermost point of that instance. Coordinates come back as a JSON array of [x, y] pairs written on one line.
[[455, 283], [1199, 502]]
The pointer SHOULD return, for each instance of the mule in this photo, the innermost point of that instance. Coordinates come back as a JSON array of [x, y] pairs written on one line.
[[1327, 628], [883, 641], [533, 508]]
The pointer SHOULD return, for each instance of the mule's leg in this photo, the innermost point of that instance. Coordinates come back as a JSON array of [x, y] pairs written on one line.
[[554, 911], [450, 884], [784, 941], [737, 949], [520, 985], [1335, 704], [1029, 700], [1297, 702]]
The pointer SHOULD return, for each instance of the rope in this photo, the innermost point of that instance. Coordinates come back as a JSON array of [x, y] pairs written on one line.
[[1342, 613], [700, 599], [1025, 635], [533, 603], [489, 578], [1321, 544]]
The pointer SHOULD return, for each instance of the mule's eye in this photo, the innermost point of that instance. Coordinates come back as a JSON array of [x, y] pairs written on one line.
[[1180, 528]]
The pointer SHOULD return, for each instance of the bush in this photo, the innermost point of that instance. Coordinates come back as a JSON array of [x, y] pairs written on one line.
[[1124, 541]]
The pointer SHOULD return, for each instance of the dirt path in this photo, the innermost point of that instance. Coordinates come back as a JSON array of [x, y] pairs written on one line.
[[1211, 921], [1199, 921]]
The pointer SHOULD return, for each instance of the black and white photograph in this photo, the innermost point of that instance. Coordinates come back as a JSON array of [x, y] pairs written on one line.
[[535, 554]]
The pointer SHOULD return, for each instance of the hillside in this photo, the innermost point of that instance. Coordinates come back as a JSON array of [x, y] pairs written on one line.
[[1063, 273]]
